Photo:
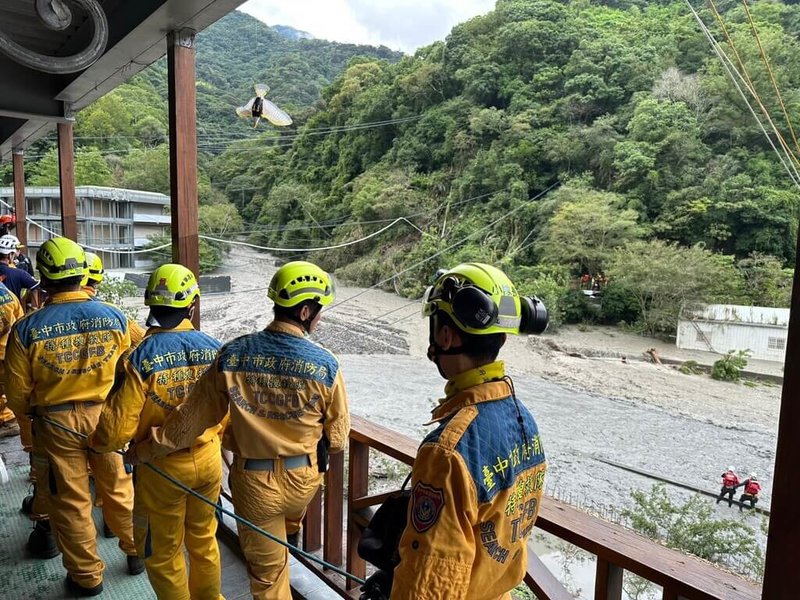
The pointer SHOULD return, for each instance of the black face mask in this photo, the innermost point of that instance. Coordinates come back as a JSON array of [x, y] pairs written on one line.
[[435, 350]]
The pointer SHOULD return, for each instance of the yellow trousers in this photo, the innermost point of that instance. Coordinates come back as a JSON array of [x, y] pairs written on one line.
[[272, 500], [63, 483], [165, 518]]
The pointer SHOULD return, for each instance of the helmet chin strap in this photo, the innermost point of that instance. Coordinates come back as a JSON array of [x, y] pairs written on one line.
[[435, 350]]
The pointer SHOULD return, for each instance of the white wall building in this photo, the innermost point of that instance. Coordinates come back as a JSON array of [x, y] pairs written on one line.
[[724, 327], [112, 218]]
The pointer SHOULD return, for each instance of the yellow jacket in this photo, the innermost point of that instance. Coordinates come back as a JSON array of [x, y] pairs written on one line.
[[10, 312], [281, 390], [137, 331], [66, 351], [476, 486], [158, 376]]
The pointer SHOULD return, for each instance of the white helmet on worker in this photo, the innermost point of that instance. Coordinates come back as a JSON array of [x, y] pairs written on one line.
[[753, 476], [731, 469], [8, 244]]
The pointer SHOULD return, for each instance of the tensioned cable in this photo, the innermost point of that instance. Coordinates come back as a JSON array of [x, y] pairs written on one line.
[[319, 248], [727, 64], [771, 73], [750, 84], [451, 246], [222, 509]]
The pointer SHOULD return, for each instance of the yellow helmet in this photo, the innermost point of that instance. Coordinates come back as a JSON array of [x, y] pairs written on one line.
[[480, 299], [60, 258], [298, 281], [94, 267], [171, 285]]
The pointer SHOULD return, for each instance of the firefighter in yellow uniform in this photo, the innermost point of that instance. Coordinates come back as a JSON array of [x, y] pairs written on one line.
[[94, 276], [60, 365], [478, 477], [158, 376], [10, 312], [286, 399]]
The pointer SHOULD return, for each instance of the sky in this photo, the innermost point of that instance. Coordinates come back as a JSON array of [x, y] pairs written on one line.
[[399, 24]]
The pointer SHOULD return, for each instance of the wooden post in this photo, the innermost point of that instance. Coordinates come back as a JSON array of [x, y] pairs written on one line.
[[358, 485], [20, 212], [66, 179], [183, 151], [608, 581], [312, 524], [334, 509], [781, 575]]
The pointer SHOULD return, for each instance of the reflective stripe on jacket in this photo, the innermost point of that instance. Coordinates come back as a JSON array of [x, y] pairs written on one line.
[[477, 483], [158, 376], [281, 389], [66, 351]]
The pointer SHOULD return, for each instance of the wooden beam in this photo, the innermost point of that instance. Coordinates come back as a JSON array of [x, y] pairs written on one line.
[[21, 229], [312, 524], [334, 510], [358, 485], [781, 575], [66, 180], [183, 151], [607, 581]]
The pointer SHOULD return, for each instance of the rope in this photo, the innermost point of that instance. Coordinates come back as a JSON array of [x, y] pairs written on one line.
[[730, 69], [751, 86], [318, 249], [223, 510], [451, 246], [771, 73]]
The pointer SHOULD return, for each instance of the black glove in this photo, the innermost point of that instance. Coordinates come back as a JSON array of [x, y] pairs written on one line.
[[322, 454], [378, 586]]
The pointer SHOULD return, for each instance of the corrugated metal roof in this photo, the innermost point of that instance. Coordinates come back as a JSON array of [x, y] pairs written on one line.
[[733, 313]]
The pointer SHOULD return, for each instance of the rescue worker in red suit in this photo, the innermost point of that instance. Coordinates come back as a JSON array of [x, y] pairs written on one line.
[[751, 491], [730, 481], [285, 394], [478, 478]]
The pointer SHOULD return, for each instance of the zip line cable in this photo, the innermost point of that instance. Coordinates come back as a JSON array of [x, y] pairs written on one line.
[[771, 73], [318, 249], [222, 509], [727, 64], [451, 246], [751, 86]]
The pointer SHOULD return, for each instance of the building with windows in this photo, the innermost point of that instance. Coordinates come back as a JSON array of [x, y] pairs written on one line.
[[724, 327], [114, 219]]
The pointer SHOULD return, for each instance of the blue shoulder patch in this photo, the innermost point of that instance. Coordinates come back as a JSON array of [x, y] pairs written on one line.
[[494, 448], [277, 353], [6, 297], [70, 318], [171, 349]]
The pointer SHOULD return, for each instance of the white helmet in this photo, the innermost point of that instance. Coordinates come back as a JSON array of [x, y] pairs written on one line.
[[731, 469], [8, 244], [753, 476]]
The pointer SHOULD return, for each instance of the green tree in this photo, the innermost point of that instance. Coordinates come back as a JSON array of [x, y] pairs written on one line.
[[767, 282], [664, 278], [691, 527], [90, 169], [583, 231]]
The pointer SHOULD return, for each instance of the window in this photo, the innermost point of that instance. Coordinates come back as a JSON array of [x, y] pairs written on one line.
[[776, 343]]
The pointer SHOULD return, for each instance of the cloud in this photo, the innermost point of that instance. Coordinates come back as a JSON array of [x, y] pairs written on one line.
[[399, 24]]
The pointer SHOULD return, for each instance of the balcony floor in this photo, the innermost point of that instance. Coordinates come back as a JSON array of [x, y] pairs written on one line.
[[30, 579]]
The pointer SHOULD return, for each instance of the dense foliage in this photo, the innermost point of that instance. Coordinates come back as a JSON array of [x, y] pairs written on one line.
[[622, 102]]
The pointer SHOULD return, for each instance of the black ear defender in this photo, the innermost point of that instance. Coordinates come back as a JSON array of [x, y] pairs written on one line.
[[473, 307], [534, 315]]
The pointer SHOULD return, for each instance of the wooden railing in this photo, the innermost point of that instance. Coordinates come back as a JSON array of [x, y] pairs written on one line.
[[617, 549]]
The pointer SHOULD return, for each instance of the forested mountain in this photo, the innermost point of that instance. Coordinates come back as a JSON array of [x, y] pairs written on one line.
[[622, 102]]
